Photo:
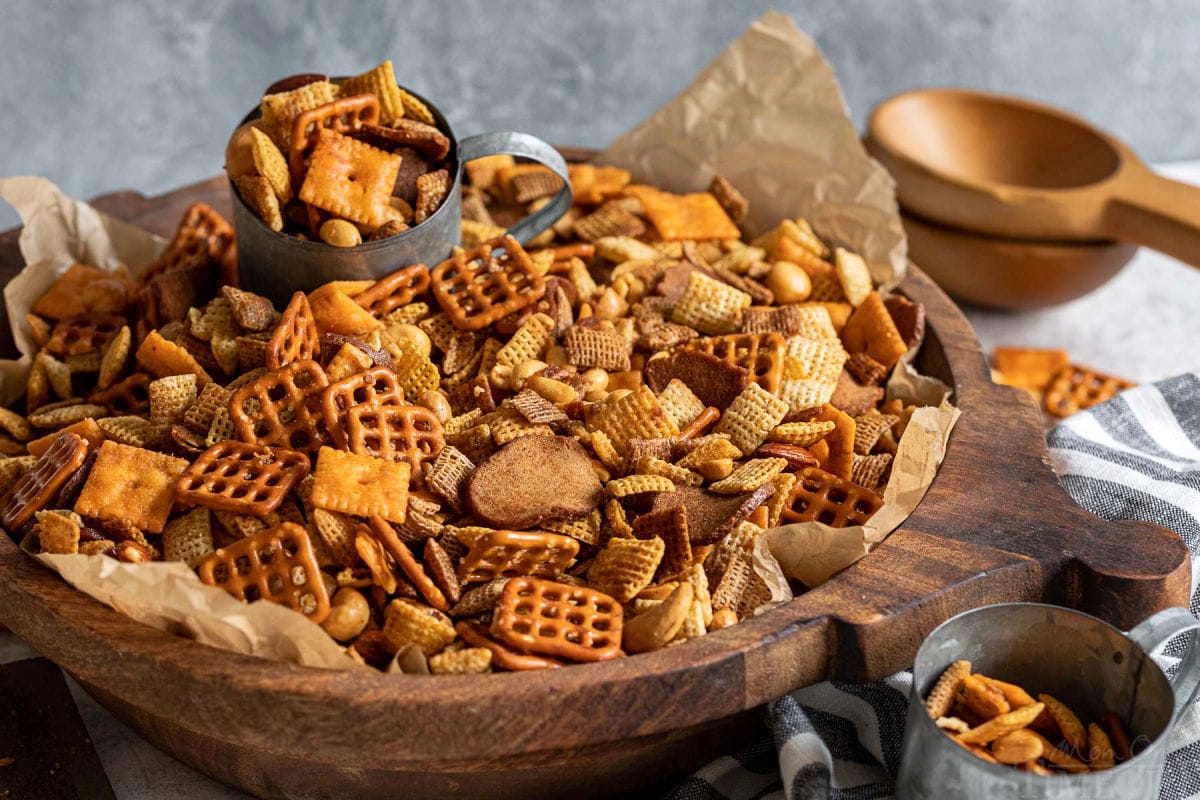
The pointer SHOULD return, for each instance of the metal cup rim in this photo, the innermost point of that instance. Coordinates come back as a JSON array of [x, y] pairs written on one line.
[[1004, 770], [369, 247]]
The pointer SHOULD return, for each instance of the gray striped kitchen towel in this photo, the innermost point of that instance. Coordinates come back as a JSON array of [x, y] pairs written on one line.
[[1137, 457]]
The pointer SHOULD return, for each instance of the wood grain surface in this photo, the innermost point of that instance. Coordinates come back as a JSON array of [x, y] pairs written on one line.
[[994, 527]]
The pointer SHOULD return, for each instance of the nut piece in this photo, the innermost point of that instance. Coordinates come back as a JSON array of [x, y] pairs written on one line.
[[654, 628], [723, 618], [348, 615], [789, 282], [340, 233]]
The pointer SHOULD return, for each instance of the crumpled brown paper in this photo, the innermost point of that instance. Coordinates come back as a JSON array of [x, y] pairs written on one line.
[[167, 595], [58, 232], [767, 114]]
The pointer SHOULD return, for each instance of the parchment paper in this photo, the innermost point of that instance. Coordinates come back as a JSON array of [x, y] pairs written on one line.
[[58, 232], [167, 595], [767, 114]]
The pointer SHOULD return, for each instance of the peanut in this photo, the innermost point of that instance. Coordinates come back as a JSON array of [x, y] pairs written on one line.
[[789, 282], [348, 615], [339, 233]]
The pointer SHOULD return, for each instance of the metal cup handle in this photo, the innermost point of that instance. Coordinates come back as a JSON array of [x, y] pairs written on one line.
[[1154, 633], [522, 144]]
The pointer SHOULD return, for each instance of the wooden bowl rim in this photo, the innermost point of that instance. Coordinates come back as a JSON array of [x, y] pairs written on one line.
[[731, 670], [178, 655]]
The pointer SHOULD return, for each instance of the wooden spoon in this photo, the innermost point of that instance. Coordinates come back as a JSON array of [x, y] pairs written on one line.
[[1009, 167]]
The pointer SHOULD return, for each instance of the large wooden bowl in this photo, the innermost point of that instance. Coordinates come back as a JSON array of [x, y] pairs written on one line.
[[995, 526]]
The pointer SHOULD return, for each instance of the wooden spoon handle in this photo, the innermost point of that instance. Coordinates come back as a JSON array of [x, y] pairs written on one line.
[[1159, 213]]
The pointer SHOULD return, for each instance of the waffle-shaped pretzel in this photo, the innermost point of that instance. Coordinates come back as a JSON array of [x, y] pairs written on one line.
[[276, 565], [393, 291], [83, 333], [36, 488], [282, 408], [761, 354], [1075, 388], [822, 497], [478, 287], [340, 116], [202, 235], [201, 222], [505, 553], [554, 619], [374, 387], [296, 337], [395, 433], [242, 478], [129, 396]]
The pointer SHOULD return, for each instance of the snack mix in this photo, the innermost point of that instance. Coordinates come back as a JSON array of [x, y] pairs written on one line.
[[521, 458], [1003, 724], [337, 162], [1058, 386]]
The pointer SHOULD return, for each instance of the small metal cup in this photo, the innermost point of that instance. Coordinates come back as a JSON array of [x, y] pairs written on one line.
[[1084, 662], [276, 265]]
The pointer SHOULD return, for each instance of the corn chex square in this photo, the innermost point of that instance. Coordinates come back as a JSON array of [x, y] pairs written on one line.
[[57, 533], [638, 484], [361, 485], [529, 342], [406, 622], [750, 417], [280, 110], [189, 538], [814, 359], [680, 403], [626, 566], [804, 393], [750, 475], [710, 306], [637, 415], [381, 82], [585, 530], [596, 347]]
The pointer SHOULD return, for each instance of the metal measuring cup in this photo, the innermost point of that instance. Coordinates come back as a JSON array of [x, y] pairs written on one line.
[[276, 265], [1083, 661]]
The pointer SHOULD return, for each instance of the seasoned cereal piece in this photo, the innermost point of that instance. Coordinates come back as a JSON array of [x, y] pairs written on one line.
[[360, 485], [750, 417], [131, 483]]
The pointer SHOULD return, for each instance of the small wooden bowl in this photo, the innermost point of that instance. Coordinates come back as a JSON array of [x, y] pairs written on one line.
[[1011, 274], [994, 527], [1006, 166]]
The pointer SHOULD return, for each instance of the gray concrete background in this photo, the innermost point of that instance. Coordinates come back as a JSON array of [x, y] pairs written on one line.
[[143, 93]]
